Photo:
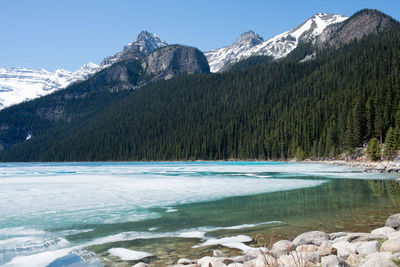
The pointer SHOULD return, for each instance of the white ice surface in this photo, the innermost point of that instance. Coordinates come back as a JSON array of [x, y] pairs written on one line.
[[128, 254]]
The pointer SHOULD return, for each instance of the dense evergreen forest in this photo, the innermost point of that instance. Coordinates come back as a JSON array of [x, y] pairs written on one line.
[[274, 110]]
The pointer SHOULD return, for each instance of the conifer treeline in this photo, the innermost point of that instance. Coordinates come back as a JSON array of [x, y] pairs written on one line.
[[279, 110]]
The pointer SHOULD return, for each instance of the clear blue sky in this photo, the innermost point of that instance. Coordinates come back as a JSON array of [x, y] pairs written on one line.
[[51, 34]]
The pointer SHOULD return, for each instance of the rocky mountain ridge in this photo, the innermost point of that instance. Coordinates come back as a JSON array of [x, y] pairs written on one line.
[[251, 44], [22, 84], [323, 29]]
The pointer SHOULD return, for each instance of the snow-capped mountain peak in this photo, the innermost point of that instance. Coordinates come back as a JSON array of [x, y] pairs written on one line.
[[249, 37], [220, 58], [147, 38], [145, 43], [278, 46]]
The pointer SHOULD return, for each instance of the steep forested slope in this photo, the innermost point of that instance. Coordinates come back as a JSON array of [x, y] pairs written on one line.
[[271, 111]]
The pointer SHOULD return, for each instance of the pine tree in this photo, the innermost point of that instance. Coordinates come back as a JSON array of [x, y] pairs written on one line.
[[390, 144], [397, 116], [373, 149]]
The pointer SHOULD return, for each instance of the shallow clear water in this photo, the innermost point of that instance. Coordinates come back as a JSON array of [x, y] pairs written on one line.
[[48, 211]]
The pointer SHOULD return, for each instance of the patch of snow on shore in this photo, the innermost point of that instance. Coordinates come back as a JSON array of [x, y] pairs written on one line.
[[231, 242], [128, 255]]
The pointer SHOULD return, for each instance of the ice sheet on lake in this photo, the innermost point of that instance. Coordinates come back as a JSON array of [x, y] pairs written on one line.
[[38, 196]]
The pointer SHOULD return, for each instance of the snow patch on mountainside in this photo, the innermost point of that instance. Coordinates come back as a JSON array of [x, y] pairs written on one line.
[[22, 84], [277, 47]]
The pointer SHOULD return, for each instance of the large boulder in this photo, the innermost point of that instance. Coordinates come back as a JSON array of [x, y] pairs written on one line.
[[261, 261], [307, 248], [383, 231], [381, 259], [367, 247], [395, 235], [282, 247], [299, 258], [311, 238], [356, 259], [248, 255], [359, 237], [393, 221], [333, 261], [326, 248], [391, 245], [334, 236], [215, 262], [344, 249]]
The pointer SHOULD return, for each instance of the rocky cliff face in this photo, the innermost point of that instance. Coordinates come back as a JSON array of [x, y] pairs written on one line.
[[361, 24], [175, 59]]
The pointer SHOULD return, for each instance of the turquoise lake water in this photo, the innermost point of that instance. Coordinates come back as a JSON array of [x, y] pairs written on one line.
[[52, 214]]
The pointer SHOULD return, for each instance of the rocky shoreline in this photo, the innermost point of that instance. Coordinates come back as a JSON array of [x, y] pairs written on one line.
[[380, 247], [366, 166]]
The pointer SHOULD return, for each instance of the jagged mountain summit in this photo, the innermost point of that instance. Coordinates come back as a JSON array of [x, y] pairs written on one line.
[[251, 44], [219, 58], [22, 84], [145, 43]]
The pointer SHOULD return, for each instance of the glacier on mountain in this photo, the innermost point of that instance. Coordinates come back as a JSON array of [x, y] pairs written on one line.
[[277, 47]]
